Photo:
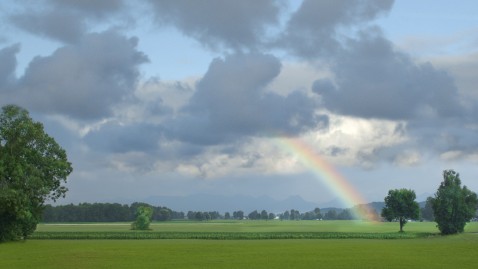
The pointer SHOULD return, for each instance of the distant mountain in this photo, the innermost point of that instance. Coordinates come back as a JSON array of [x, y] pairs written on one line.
[[221, 203]]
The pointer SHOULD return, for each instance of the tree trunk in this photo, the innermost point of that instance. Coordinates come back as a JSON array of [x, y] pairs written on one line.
[[402, 220]]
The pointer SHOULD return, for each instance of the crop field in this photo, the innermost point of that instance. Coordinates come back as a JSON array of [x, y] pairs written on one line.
[[430, 251]]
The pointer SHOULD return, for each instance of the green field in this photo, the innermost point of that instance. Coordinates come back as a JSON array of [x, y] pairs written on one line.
[[254, 226], [459, 251]]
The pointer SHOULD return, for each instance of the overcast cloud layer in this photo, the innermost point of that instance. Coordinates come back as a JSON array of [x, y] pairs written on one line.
[[322, 71]]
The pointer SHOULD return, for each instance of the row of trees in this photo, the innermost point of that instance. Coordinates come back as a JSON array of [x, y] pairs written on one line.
[[105, 212], [114, 212], [451, 207], [200, 215]]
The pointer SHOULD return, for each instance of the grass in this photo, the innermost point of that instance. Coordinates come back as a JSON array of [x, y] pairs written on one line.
[[458, 251], [253, 226], [437, 252]]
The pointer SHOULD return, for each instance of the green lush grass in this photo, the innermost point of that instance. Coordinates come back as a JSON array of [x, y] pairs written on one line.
[[438, 252], [237, 230], [458, 251], [254, 226]]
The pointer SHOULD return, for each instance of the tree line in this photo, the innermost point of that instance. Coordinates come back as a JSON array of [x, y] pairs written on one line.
[[115, 212], [105, 212]]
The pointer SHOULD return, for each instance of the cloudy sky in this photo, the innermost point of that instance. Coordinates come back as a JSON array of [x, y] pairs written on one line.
[[175, 98]]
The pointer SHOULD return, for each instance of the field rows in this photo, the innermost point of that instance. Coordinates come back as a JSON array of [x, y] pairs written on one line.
[[224, 235]]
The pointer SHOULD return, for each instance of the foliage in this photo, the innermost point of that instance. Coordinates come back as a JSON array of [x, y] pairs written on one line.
[[32, 169], [400, 205], [330, 215], [201, 216], [254, 215], [104, 212], [227, 215], [238, 214], [453, 206], [143, 218], [345, 215], [312, 215], [427, 211]]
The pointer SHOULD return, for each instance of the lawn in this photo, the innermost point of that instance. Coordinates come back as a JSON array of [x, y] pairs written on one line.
[[459, 251]]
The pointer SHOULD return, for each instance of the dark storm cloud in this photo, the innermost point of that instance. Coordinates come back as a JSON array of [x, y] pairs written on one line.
[[83, 80], [118, 138], [373, 80], [446, 135], [234, 24], [8, 63], [91, 7], [231, 101], [65, 21], [313, 30], [55, 24]]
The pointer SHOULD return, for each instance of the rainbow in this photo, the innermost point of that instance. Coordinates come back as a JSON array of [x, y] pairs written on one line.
[[328, 175]]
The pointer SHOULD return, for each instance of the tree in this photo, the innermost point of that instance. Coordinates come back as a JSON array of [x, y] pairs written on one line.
[[345, 215], [238, 215], [254, 215], [453, 206], [294, 214], [264, 215], [163, 214], [33, 168], [143, 218], [427, 211], [400, 205], [318, 215], [200, 216], [286, 215], [331, 215]]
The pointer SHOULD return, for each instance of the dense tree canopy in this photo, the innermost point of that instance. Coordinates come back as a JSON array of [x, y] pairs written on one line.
[[33, 168], [104, 212], [143, 218], [453, 206], [400, 205]]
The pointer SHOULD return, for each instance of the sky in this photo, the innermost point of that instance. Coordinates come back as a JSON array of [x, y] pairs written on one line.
[[175, 98]]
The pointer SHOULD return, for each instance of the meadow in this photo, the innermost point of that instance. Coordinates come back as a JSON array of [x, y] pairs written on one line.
[[431, 251]]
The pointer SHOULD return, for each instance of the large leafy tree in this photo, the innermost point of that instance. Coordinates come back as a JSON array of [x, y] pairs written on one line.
[[453, 206], [33, 168], [400, 205]]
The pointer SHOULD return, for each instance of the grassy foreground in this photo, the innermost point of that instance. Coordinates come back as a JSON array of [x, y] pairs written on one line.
[[459, 251], [438, 252]]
